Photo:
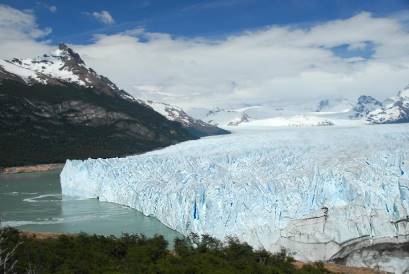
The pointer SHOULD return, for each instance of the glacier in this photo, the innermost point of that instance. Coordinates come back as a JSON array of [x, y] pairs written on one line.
[[316, 192]]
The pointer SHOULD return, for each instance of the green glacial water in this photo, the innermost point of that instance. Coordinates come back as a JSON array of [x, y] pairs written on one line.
[[34, 202]]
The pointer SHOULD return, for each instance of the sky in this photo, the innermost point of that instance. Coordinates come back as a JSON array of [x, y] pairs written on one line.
[[222, 53]]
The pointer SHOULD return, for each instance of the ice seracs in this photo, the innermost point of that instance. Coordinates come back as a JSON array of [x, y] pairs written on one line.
[[314, 191]]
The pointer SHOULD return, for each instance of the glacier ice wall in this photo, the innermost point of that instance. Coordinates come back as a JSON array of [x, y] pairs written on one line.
[[310, 190]]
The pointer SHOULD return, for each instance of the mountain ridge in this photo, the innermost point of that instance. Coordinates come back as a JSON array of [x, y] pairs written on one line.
[[55, 108]]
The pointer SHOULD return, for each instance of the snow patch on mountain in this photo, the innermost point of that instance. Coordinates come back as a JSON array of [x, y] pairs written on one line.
[[63, 66], [171, 112], [25, 74], [53, 65], [174, 113]]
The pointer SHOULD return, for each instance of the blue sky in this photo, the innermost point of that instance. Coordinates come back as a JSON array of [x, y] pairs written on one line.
[[71, 22], [222, 53]]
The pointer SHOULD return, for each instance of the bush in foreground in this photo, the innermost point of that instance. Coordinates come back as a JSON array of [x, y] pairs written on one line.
[[137, 254]]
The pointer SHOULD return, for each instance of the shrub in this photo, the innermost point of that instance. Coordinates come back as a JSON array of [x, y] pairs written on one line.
[[82, 253]]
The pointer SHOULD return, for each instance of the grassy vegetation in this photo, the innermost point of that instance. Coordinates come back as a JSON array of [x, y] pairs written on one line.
[[137, 254]]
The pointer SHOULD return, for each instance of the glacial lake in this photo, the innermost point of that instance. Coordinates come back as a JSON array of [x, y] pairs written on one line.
[[33, 202]]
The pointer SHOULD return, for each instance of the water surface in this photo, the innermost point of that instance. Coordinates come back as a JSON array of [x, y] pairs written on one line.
[[34, 202]]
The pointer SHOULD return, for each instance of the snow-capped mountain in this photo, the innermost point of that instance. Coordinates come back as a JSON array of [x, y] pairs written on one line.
[[334, 105], [395, 110], [336, 111], [365, 104], [57, 99], [63, 65], [196, 126]]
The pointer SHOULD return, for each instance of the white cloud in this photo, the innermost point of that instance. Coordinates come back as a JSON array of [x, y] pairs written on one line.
[[269, 64], [20, 34], [52, 8], [102, 16], [273, 63]]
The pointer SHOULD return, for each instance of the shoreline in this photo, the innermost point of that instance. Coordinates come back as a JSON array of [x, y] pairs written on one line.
[[31, 168]]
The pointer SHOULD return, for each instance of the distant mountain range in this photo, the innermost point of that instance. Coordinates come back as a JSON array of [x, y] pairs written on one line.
[[55, 107], [326, 112]]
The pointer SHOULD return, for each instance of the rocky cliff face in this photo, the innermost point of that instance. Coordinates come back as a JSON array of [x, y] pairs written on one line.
[[55, 107]]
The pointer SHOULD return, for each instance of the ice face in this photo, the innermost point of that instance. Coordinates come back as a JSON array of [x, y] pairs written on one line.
[[310, 190]]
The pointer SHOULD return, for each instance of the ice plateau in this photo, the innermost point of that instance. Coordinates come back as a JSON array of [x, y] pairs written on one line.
[[317, 192]]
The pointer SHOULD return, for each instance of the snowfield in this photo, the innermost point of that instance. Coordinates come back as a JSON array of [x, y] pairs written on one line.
[[291, 121], [314, 191]]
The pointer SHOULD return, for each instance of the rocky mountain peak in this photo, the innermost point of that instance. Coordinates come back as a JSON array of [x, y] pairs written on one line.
[[62, 66], [322, 104], [68, 54], [365, 99], [365, 104], [63, 47], [395, 109]]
